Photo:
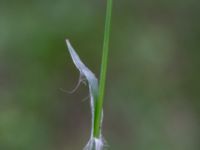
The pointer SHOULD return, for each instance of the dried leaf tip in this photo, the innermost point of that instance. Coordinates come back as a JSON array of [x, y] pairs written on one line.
[[87, 75]]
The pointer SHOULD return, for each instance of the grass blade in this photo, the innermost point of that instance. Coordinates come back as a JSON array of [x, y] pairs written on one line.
[[87, 75], [96, 141]]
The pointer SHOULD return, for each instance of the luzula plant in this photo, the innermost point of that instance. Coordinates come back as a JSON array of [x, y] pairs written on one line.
[[96, 141]]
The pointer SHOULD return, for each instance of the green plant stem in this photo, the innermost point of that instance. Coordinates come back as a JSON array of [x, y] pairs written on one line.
[[99, 103]]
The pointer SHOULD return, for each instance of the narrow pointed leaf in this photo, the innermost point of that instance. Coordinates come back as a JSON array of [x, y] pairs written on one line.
[[88, 75]]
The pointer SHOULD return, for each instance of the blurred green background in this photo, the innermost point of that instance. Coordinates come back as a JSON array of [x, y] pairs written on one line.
[[153, 82]]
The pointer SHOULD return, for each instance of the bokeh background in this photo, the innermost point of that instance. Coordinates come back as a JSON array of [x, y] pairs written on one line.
[[153, 82]]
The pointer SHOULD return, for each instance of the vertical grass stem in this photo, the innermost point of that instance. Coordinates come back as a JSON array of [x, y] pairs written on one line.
[[99, 103]]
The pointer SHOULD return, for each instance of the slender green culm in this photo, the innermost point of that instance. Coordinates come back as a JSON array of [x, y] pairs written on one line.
[[96, 141], [99, 103]]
